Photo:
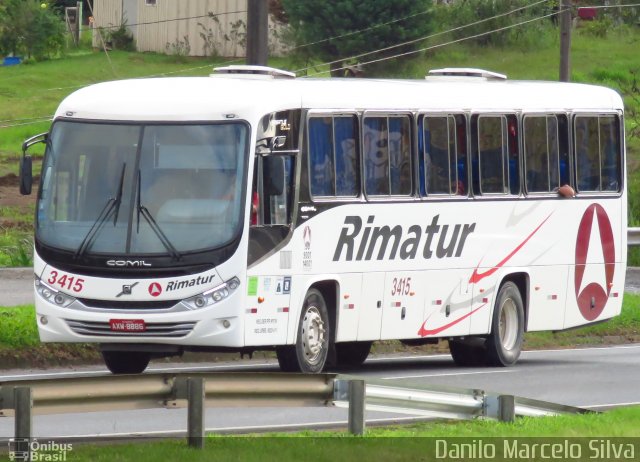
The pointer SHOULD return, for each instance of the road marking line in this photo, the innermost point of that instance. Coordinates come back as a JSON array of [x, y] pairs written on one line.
[[633, 403], [619, 347], [448, 374], [151, 369], [221, 366]]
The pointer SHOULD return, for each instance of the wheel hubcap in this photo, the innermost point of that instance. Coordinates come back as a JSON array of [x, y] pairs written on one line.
[[313, 335], [508, 324]]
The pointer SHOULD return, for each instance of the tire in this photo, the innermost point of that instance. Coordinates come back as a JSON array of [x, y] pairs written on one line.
[[350, 354], [466, 354], [504, 344], [309, 354], [126, 362]]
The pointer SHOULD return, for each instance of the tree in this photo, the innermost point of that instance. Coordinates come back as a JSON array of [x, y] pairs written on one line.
[[26, 27], [313, 22]]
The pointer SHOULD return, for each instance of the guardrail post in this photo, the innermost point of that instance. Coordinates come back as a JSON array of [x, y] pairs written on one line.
[[506, 408], [23, 404], [356, 407], [195, 412]]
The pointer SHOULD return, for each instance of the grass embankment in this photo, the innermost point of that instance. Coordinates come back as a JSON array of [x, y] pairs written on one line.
[[413, 442], [20, 345]]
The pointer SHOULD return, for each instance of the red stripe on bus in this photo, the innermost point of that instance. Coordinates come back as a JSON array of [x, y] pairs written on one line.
[[424, 332], [477, 277]]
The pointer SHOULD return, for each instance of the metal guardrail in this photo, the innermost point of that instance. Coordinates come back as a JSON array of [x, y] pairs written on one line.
[[196, 391], [633, 236]]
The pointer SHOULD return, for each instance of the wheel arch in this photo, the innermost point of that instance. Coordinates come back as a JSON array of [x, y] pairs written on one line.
[[521, 280], [330, 290]]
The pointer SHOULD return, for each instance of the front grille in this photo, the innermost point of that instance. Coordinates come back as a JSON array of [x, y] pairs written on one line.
[[128, 305], [156, 329]]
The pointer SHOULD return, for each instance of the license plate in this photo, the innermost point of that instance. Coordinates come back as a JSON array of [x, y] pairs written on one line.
[[127, 325]]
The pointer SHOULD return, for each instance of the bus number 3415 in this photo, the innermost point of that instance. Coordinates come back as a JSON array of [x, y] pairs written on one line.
[[401, 286]]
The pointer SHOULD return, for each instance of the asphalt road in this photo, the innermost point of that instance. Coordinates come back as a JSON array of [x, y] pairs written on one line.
[[16, 285], [598, 378]]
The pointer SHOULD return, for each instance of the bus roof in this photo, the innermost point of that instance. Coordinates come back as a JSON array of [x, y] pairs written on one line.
[[247, 97]]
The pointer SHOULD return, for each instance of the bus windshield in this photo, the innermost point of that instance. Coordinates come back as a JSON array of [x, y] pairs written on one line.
[[143, 189]]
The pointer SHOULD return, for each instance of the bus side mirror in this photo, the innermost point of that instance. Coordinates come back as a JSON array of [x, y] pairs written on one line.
[[26, 164], [273, 180], [26, 175]]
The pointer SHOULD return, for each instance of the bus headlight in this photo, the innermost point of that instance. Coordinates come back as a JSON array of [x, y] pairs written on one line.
[[52, 295], [212, 296]]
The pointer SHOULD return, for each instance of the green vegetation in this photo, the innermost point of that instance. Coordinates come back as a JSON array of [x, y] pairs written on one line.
[[21, 335], [607, 58], [310, 23], [29, 28], [414, 442]]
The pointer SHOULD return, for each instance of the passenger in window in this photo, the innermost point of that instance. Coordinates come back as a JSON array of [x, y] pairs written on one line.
[[346, 182], [322, 176], [376, 155], [586, 151]]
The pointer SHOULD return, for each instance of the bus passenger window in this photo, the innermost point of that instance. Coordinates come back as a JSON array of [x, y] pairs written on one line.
[[346, 149], [597, 153], [400, 155], [492, 150], [542, 159], [376, 156], [610, 149], [322, 172], [438, 155], [387, 156]]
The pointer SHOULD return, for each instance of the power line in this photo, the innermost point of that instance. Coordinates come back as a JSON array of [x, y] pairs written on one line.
[[23, 124], [104, 46], [425, 37], [375, 26], [208, 15], [446, 43], [37, 120]]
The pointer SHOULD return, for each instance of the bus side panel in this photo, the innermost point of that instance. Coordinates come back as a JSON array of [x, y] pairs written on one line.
[[403, 304], [596, 279], [547, 297], [373, 290], [447, 304], [350, 307], [266, 322], [594, 303]]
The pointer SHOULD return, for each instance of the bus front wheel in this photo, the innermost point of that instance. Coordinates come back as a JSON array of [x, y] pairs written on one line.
[[504, 344], [309, 354], [126, 362]]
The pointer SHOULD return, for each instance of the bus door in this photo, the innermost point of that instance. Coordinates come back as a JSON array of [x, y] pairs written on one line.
[[269, 261]]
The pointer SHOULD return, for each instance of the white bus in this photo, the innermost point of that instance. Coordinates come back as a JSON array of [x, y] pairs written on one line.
[[252, 210]]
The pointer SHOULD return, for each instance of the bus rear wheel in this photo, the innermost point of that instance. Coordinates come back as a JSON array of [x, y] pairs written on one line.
[[126, 362], [504, 344], [309, 354], [349, 354]]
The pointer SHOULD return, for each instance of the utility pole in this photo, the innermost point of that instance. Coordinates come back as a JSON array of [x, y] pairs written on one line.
[[257, 32], [565, 40]]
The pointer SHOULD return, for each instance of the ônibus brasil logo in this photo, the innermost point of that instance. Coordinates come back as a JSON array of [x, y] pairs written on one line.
[[593, 297], [155, 289]]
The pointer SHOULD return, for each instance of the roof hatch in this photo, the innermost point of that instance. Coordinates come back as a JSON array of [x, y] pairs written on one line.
[[466, 72], [253, 71]]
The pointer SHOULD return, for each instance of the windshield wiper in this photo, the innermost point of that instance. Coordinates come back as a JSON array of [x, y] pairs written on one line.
[[113, 203], [153, 224]]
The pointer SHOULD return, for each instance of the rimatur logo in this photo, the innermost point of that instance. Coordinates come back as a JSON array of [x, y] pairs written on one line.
[[593, 297], [155, 289]]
